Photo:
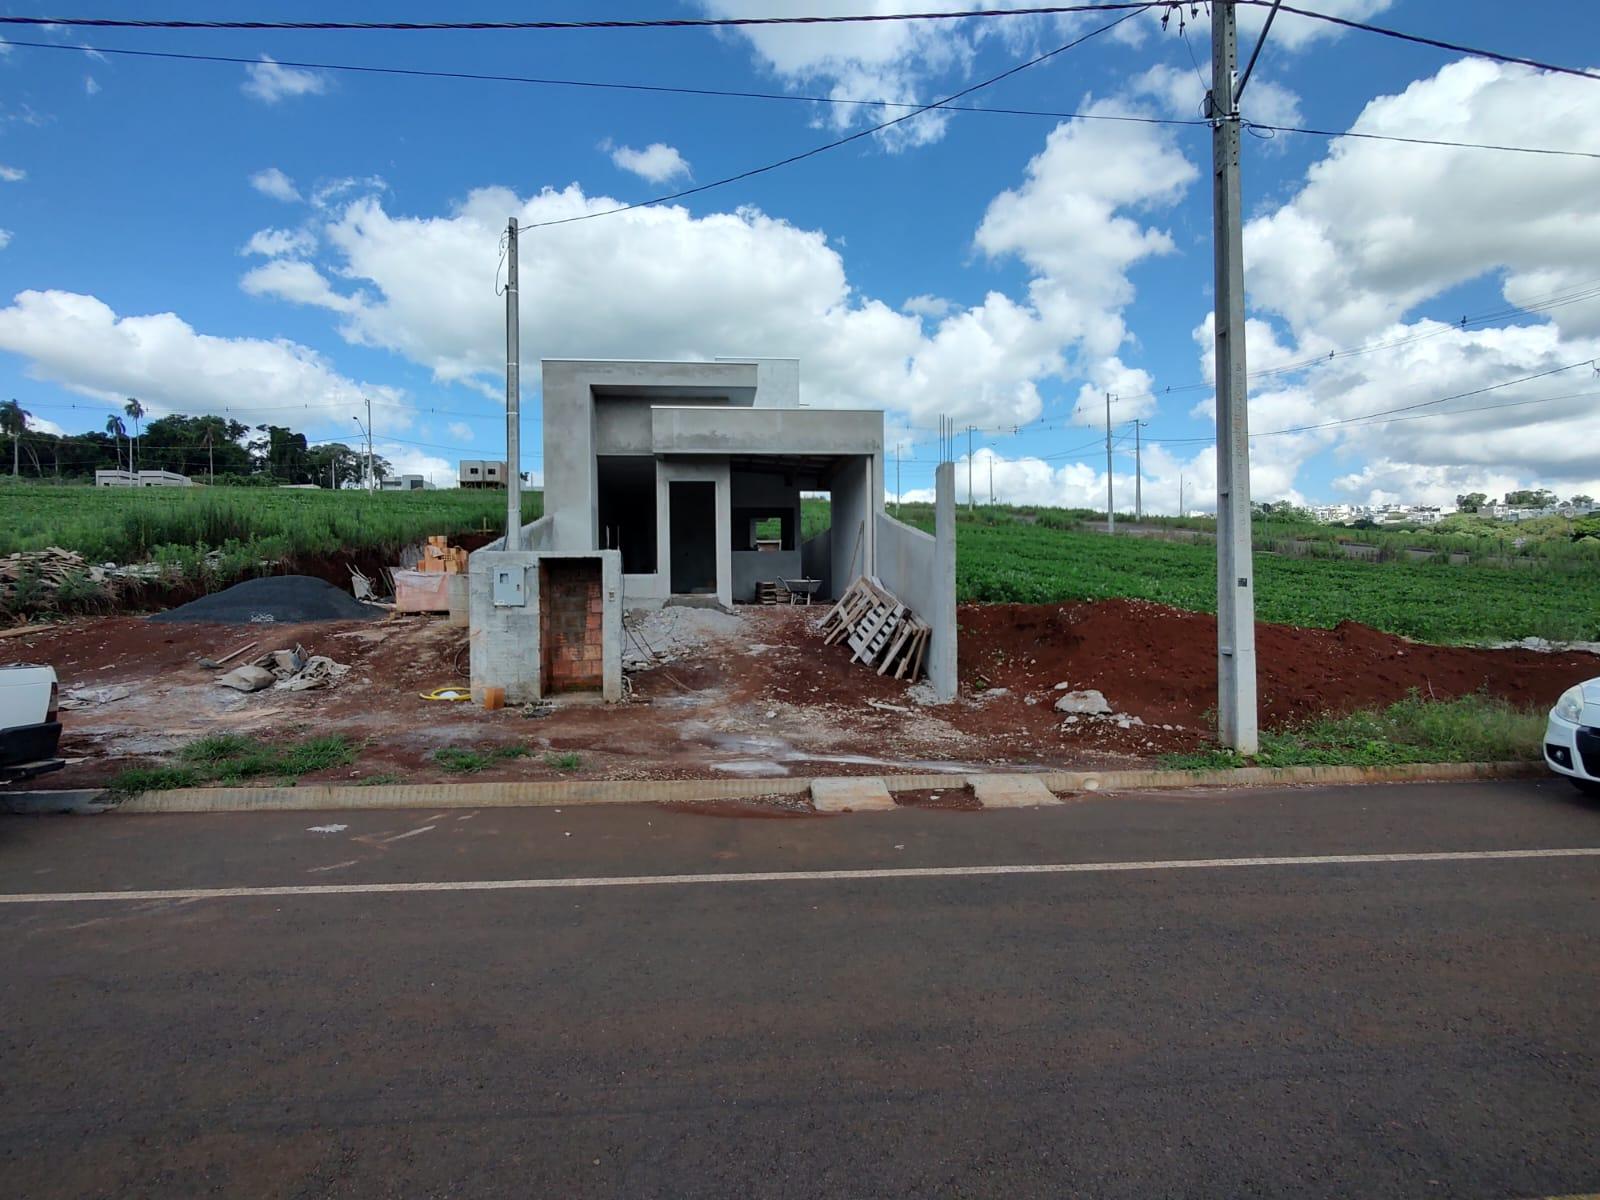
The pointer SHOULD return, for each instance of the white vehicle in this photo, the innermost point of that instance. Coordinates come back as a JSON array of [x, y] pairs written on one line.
[[29, 731], [1572, 739]]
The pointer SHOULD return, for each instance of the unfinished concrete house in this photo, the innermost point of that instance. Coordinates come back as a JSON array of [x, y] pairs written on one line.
[[681, 482]]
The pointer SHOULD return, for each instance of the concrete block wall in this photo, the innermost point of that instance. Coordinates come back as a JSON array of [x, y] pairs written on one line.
[[920, 569], [570, 613], [506, 644]]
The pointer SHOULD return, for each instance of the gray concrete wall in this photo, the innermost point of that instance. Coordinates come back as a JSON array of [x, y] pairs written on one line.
[[503, 644], [690, 471], [748, 431], [920, 569], [536, 535], [854, 529], [816, 561], [569, 387], [751, 567]]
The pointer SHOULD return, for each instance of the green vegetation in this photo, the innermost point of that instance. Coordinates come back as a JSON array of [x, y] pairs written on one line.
[[232, 758], [567, 761], [1548, 588], [469, 762], [1414, 730], [178, 526]]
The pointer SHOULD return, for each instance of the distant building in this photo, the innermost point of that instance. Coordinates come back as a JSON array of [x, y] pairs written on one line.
[[481, 473], [140, 479], [404, 483]]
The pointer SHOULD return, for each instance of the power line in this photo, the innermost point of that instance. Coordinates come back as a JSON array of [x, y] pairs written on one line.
[[844, 141], [790, 97], [1436, 43], [1132, 6]]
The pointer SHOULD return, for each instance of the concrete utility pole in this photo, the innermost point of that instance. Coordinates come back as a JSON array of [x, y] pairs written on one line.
[[991, 478], [1180, 495], [513, 396], [372, 470], [897, 479], [1236, 609], [211, 462], [1111, 507], [1138, 473]]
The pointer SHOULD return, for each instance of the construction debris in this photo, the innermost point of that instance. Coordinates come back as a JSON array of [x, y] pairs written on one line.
[[880, 630], [440, 557], [285, 670], [89, 697], [216, 664], [1090, 702]]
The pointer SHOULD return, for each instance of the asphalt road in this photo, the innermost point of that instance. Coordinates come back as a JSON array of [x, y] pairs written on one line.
[[1407, 1026]]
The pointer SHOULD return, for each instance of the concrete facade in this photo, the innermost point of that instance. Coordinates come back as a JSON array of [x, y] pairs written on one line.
[[688, 476]]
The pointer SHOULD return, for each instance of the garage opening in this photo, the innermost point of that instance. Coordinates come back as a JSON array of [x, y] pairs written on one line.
[[627, 510], [693, 528], [570, 610]]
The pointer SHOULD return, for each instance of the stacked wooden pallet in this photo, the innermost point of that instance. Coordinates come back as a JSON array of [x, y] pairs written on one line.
[[882, 632], [50, 568]]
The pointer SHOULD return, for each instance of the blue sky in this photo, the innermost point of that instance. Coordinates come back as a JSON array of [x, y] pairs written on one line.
[[282, 242]]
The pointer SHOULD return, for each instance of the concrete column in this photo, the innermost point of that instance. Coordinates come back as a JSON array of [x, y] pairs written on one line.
[[942, 642]]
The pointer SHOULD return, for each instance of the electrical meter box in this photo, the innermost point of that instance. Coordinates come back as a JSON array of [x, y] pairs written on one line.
[[510, 587]]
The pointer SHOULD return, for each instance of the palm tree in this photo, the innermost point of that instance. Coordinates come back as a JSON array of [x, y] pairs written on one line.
[[116, 429], [135, 410], [14, 423]]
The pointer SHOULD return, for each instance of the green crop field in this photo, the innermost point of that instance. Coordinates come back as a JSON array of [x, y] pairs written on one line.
[[1042, 557], [126, 525]]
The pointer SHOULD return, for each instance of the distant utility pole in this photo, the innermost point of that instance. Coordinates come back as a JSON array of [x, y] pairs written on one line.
[[897, 479], [211, 463], [1111, 507], [969, 468], [1236, 617], [991, 478], [1180, 495], [1138, 473], [513, 396]]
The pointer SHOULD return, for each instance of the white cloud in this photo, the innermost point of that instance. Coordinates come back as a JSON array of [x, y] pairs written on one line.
[[460, 429], [12, 174], [1380, 230], [78, 342], [298, 282], [274, 184], [276, 243], [657, 162], [270, 82], [91, 52], [660, 282], [90, 86], [936, 307], [5, 238]]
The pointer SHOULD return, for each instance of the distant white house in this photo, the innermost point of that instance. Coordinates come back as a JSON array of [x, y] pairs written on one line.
[[140, 479], [405, 483]]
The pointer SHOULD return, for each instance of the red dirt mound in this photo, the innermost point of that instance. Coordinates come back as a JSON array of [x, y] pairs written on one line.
[[1160, 662]]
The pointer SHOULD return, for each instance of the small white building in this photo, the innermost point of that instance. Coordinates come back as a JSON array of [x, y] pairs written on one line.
[[140, 479], [404, 483]]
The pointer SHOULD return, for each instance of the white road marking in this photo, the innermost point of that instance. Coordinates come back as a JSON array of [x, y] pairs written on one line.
[[848, 876], [327, 828], [399, 837], [349, 862]]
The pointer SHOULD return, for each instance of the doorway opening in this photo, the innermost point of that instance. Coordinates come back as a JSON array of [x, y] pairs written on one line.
[[693, 529]]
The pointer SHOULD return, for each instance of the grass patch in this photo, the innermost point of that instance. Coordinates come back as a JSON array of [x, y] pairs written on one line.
[[463, 761], [381, 779], [154, 779], [233, 758], [567, 761], [1413, 730]]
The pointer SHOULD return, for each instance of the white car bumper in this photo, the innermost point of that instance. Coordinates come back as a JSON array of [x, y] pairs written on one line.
[[1571, 749]]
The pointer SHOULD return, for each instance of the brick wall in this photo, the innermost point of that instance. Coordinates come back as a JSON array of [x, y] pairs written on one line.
[[569, 625]]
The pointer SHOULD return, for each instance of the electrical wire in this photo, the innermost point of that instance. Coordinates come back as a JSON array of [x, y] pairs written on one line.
[[1132, 6], [793, 97], [838, 142]]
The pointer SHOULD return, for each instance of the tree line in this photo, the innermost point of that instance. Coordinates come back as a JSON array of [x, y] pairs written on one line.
[[205, 448]]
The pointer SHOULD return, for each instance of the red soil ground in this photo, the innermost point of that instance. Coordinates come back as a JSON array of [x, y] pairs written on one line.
[[766, 698]]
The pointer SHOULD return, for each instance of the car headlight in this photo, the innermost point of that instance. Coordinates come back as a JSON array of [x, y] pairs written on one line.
[[1570, 706]]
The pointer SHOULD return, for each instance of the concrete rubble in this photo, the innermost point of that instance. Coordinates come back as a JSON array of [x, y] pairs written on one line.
[[286, 670]]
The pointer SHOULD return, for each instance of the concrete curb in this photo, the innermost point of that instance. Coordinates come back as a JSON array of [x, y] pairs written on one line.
[[322, 797]]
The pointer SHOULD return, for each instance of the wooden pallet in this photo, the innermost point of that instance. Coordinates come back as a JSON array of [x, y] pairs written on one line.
[[880, 631]]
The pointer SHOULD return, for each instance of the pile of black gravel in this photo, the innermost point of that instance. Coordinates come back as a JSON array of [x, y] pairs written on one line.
[[274, 599]]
